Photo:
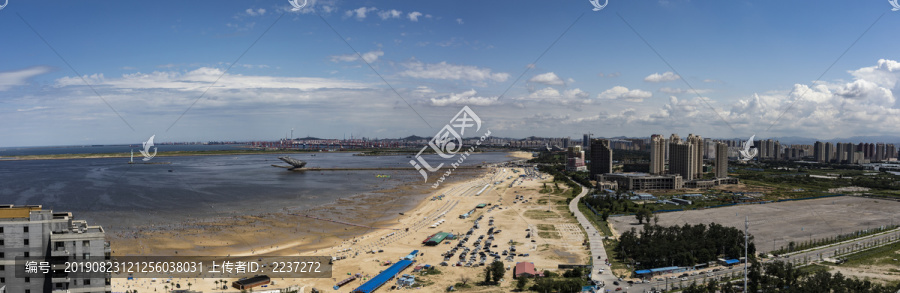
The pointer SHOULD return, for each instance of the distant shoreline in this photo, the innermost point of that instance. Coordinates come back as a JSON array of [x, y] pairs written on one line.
[[363, 152]]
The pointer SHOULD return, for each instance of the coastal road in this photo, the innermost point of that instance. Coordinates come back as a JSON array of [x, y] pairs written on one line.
[[596, 242]]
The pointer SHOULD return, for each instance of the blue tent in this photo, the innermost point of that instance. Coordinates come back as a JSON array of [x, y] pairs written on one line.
[[383, 277]]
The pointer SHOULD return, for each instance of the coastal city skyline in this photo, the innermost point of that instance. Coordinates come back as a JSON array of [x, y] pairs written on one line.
[[295, 72]]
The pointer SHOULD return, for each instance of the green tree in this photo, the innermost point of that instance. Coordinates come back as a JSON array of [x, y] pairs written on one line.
[[521, 283], [487, 275], [497, 271]]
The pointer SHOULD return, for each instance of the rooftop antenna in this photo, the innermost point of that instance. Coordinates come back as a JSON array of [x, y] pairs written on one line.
[[292, 133]]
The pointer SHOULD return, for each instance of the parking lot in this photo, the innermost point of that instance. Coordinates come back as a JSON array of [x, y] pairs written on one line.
[[774, 225]]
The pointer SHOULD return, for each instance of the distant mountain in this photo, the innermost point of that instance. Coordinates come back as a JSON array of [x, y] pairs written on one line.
[[413, 137], [869, 139]]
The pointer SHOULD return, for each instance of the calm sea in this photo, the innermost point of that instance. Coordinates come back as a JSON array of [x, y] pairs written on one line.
[[118, 195]]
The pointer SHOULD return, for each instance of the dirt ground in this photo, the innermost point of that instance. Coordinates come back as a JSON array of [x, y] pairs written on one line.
[[774, 225], [562, 243]]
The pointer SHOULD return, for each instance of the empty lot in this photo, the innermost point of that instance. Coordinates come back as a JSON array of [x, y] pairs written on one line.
[[774, 225]]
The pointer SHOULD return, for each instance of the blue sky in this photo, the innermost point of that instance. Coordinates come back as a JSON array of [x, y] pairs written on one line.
[[150, 61]]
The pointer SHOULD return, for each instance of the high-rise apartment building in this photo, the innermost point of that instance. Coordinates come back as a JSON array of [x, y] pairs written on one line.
[[829, 152], [586, 142], [35, 233], [601, 157], [682, 158], [721, 160], [657, 154], [819, 151], [697, 143]]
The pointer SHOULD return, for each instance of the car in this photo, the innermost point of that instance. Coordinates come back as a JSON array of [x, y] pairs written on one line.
[[630, 282], [684, 279], [616, 283], [619, 289]]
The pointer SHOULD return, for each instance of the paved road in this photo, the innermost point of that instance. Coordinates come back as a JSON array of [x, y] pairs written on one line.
[[659, 283], [596, 243]]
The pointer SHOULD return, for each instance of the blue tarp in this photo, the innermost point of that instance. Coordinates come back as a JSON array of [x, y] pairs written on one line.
[[412, 255], [642, 272], [665, 269], [383, 277], [731, 261]]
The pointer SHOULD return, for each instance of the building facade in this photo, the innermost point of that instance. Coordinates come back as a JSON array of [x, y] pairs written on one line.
[[721, 160], [657, 154], [601, 157], [35, 233]]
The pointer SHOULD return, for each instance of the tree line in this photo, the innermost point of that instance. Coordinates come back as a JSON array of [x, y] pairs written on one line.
[[657, 246]]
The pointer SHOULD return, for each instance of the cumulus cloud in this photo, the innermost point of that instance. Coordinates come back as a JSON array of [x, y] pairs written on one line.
[[369, 57], [393, 13], [665, 76], [670, 90], [414, 16], [9, 79], [623, 93], [469, 97], [359, 13], [257, 12], [447, 71], [552, 95], [548, 78]]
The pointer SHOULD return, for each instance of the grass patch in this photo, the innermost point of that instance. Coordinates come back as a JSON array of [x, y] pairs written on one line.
[[884, 255], [598, 223], [542, 201], [540, 215], [813, 268], [549, 234], [546, 227]]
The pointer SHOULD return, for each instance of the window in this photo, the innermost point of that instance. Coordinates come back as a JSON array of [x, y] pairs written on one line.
[[87, 282], [85, 243], [27, 280], [25, 229], [86, 255], [26, 241], [2, 268], [1, 229], [1, 242], [27, 254], [2, 255], [2, 280]]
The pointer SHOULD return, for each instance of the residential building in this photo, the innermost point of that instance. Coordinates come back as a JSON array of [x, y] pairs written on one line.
[[601, 157], [38, 234], [721, 160], [657, 154]]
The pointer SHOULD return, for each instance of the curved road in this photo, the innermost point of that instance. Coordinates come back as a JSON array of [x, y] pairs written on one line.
[[595, 240], [607, 278]]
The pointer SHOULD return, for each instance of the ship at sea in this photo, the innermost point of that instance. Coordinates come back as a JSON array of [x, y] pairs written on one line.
[[295, 164]]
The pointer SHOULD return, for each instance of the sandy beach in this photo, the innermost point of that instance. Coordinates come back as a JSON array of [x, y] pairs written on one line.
[[557, 238]]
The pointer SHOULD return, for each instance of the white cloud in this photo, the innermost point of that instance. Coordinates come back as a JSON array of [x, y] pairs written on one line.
[[548, 78], [257, 12], [35, 108], [886, 73], [369, 57], [666, 76], [552, 95], [201, 78], [459, 21], [614, 74], [9, 79], [446, 71], [393, 13], [623, 93], [360, 13], [414, 16], [465, 98], [669, 90]]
